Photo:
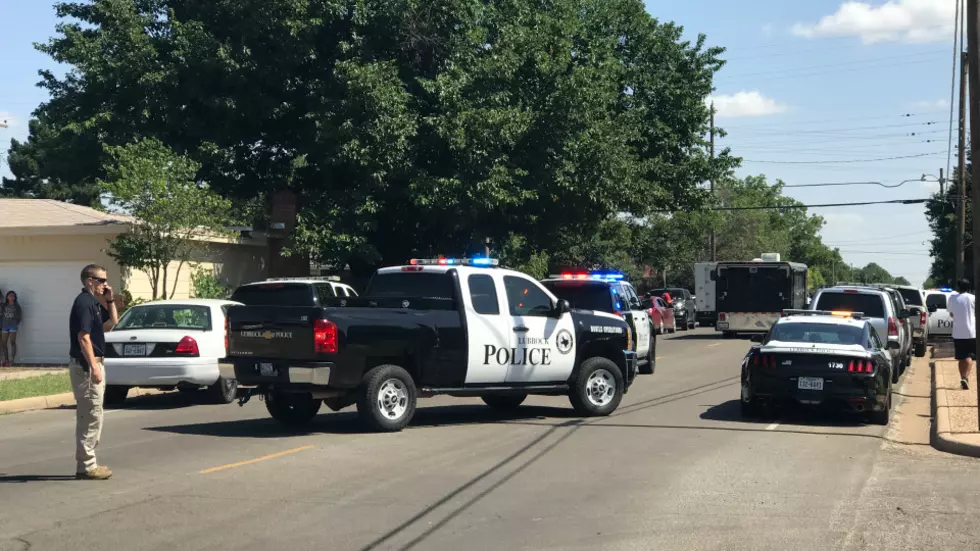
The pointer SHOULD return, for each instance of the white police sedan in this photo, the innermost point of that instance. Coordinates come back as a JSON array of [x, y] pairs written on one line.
[[169, 344]]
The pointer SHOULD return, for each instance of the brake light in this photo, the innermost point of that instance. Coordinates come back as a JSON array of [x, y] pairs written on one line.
[[324, 336], [227, 330], [860, 366], [188, 347], [851, 291], [892, 327], [764, 360], [411, 268], [923, 320], [722, 316]]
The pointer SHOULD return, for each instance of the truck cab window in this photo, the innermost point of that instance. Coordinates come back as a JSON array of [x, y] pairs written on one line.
[[483, 294], [525, 298]]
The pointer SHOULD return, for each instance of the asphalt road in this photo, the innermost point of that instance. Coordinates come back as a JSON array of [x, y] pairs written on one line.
[[676, 467]]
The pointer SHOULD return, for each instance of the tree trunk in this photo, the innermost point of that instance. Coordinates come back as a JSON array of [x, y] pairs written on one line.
[[176, 279], [165, 270]]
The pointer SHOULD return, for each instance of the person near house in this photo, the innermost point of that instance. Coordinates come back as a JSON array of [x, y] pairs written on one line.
[[10, 318], [92, 314], [961, 308]]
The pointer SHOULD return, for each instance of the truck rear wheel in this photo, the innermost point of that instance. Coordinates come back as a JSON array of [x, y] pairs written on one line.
[[920, 349], [291, 409], [386, 398], [597, 388], [504, 402]]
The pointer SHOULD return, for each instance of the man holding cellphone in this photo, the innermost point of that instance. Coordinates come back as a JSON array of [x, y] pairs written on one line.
[[92, 314]]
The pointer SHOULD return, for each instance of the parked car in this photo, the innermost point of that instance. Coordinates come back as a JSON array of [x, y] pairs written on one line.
[[682, 301], [169, 344], [458, 327], [878, 307], [603, 291], [820, 358], [915, 301], [940, 322], [661, 315]]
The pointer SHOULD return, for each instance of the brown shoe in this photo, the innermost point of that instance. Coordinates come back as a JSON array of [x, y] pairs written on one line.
[[98, 473]]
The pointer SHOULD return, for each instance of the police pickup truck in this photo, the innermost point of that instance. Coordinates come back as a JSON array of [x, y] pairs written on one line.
[[459, 327]]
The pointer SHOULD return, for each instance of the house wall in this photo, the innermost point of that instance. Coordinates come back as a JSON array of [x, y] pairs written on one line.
[[234, 264], [83, 249]]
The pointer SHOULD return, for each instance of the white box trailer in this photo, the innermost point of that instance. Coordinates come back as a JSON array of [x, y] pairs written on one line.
[[750, 296], [704, 291]]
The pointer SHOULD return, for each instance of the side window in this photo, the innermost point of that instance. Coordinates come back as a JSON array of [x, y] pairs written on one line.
[[633, 299], [938, 300], [323, 291], [619, 301], [483, 294], [525, 298], [875, 343], [339, 290], [351, 292]]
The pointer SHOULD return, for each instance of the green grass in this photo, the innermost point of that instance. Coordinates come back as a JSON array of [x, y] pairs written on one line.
[[45, 385]]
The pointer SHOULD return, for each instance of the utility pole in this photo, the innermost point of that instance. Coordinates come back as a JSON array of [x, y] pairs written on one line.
[[714, 251], [973, 43], [961, 192]]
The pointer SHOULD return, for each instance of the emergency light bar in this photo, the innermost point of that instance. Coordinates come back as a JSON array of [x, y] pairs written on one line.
[[946, 289], [595, 276], [294, 278], [840, 314], [477, 261]]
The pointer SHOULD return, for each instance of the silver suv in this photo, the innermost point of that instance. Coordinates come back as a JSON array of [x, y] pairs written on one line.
[[879, 307]]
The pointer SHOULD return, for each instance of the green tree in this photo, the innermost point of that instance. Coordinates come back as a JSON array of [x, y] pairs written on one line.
[[173, 214], [407, 126], [901, 281], [941, 212]]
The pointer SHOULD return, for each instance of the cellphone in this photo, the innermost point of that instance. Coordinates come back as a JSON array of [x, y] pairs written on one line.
[[105, 292]]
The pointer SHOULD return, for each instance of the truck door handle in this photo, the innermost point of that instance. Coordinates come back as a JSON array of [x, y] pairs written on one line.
[[520, 329]]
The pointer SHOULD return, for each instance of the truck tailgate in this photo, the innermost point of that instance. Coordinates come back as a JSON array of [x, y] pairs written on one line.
[[282, 332]]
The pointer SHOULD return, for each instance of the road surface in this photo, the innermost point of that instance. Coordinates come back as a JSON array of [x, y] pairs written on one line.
[[676, 467]]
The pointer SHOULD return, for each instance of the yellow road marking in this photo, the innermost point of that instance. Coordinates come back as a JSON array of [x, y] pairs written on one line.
[[256, 460]]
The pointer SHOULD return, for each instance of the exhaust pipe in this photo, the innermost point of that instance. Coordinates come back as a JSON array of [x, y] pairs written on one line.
[[860, 407]]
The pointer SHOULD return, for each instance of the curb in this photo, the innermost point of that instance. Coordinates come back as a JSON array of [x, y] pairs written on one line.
[[66, 399], [941, 437]]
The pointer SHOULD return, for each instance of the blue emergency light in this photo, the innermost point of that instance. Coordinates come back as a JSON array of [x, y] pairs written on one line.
[[477, 261], [608, 276], [946, 289]]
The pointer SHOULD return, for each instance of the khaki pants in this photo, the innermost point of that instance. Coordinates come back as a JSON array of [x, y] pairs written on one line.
[[88, 414]]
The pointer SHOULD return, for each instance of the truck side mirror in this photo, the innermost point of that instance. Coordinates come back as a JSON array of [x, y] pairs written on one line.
[[933, 308], [562, 308]]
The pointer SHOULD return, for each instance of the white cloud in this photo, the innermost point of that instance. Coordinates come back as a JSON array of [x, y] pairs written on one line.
[[914, 21], [930, 104], [746, 104]]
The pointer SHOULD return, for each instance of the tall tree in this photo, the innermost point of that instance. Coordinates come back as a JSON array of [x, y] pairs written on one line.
[[406, 126], [941, 211]]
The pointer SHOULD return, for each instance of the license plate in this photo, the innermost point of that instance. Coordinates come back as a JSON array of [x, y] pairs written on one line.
[[810, 383], [134, 350], [723, 325], [266, 370]]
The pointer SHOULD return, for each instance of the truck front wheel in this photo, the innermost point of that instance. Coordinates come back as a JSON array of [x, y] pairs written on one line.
[[597, 388], [386, 398], [291, 409]]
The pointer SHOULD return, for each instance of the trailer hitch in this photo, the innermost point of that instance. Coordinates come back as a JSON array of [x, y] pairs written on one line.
[[246, 397]]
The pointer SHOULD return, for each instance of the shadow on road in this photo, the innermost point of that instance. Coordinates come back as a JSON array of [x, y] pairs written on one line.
[[167, 400], [22, 478], [732, 411], [347, 422]]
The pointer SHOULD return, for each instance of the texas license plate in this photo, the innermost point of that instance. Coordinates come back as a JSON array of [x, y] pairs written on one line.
[[134, 350], [810, 383], [723, 326], [267, 370]]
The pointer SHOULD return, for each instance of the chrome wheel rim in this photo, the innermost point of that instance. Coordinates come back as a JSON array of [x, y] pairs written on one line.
[[392, 399], [600, 387]]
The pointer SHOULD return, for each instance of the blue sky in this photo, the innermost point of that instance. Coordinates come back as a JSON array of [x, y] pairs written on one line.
[[815, 81]]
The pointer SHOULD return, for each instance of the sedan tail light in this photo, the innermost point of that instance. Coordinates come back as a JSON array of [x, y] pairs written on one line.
[[188, 347]]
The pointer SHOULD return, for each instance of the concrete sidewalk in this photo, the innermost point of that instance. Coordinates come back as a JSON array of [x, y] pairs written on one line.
[[956, 429]]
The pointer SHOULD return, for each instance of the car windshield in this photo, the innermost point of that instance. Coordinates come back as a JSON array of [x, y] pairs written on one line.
[[871, 305], [411, 285], [165, 316], [583, 295], [275, 294], [823, 333], [912, 297]]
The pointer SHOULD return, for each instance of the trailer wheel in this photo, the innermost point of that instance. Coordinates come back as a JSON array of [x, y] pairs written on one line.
[[386, 399]]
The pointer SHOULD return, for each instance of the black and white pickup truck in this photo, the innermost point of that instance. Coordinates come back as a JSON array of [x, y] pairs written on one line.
[[457, 327]]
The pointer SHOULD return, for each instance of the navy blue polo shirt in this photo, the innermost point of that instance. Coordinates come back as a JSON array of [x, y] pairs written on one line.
[[87, 314]]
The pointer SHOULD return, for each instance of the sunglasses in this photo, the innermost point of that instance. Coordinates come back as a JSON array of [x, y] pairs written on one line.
[[99, 279]]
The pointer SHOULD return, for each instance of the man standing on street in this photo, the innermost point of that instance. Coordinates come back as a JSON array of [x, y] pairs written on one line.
[[961, 309], [93, 313]]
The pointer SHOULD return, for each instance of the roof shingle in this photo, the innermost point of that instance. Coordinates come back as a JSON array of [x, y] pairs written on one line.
[[41, 213]]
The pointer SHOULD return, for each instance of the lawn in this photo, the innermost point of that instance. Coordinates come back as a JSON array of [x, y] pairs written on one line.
[[44, 385]]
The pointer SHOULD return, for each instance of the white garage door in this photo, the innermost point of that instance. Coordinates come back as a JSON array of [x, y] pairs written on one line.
[[46, 291]]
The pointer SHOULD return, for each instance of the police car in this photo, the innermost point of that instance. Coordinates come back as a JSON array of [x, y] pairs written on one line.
[[603, 291], [940, 322], [819, 358], [458, 327]]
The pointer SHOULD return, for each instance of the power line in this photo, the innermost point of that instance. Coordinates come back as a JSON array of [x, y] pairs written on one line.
[[790, 207], [870, 68], [829, 184], [887, 253], [857, 62], [843, 161], [885, 237], [837, 130]]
